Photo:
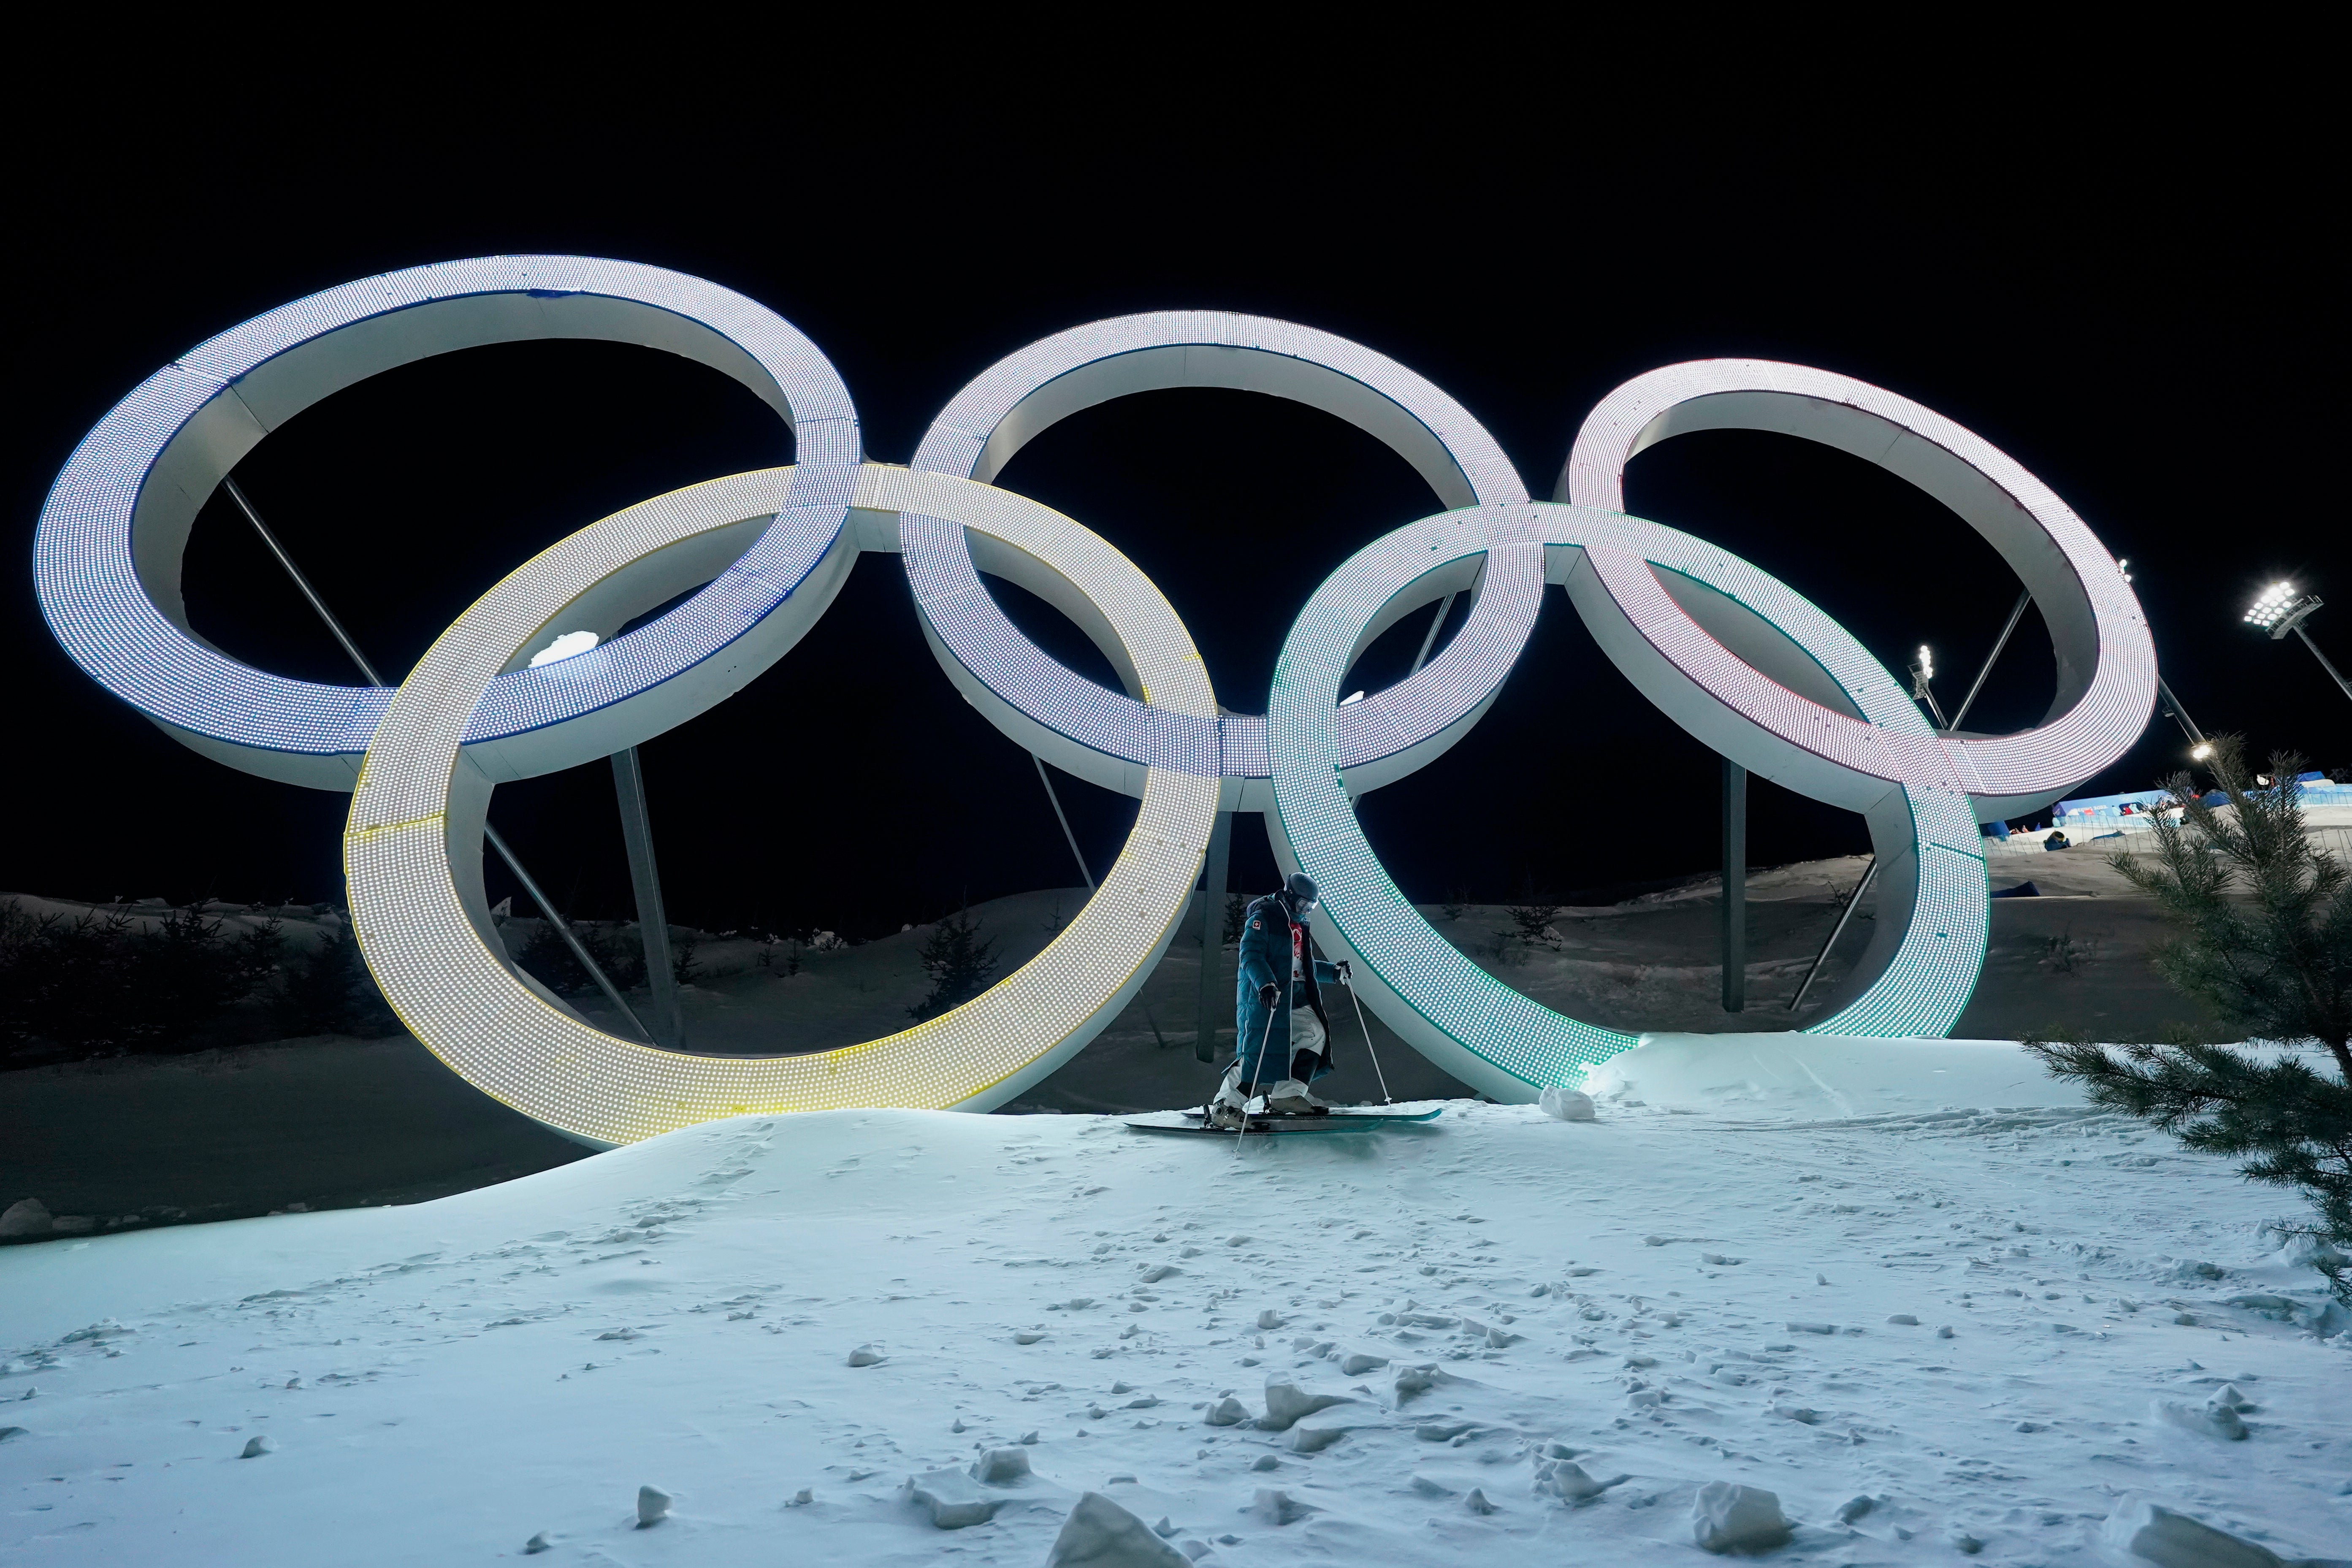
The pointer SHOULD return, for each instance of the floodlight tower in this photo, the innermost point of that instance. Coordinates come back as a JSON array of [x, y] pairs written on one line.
[[2200, 748], [2282, 608], [1923, 671]]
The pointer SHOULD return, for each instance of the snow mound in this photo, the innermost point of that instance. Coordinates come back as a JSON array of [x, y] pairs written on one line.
[[1607, 1343], [1829, 1077]]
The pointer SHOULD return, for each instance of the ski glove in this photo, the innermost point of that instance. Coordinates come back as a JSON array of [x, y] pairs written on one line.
[[1346, 972], [1267, 995]]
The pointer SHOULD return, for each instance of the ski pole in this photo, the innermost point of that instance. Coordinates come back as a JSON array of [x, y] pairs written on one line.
[[1370, 1049], [1252, 1093]]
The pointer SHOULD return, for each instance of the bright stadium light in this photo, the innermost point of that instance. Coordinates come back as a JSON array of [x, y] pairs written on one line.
[[2200, 750], [2282, 608]]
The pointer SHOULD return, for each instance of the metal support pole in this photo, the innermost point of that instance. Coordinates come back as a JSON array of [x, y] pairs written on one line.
[[644, 881], [489, 834], [302, 583], [1844, 915], [1445, 607], [562, 928], [2196, 736], [2000, 643], [1734, 887], [2322, 658], [1213, 878], [1059, 816]]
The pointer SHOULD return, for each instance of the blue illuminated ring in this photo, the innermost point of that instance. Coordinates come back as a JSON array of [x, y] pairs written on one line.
[[107, 554]]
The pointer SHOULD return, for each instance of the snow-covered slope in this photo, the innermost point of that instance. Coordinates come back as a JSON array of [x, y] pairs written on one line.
[[1712, 1282]]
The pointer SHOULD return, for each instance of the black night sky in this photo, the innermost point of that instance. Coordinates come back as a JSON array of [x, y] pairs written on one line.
[[2129, 311]]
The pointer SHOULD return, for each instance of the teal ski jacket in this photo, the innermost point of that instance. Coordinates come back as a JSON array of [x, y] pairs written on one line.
[[1267, 949]]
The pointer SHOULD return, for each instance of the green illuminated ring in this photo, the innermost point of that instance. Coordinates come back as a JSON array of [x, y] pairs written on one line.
[[1932, 875], [412, 846]]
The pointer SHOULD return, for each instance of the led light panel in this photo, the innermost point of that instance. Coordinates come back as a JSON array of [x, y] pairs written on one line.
[[417, 805], [2106, 659], [1004, 407], [107, 556], [1472, 1023]]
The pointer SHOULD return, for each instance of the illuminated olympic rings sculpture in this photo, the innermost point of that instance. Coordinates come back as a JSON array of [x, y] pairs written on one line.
[[1731, 654]]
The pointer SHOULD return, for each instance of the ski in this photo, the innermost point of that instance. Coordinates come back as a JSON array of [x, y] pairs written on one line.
[[1192, 1123]]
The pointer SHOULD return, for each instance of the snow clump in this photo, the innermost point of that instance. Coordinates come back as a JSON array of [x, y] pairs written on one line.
[[1567, 1105], [952, 1500], [2212, 1419], [1285, 1405], [1099, 1533], [1726, 1517], [2143, 1530], [1001, 1467], [28, 1216]]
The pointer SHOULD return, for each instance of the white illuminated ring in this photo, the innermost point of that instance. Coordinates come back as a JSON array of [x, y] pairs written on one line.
[[1675, 650], [1923, 963], [1735, 658], [107, 554], [1108, 737], [412, 856]]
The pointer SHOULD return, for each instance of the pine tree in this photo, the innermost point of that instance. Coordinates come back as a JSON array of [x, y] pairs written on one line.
[[960, 964], [1533, 916], [108, 981], [548, 957], [328, 990], [2266, 939]]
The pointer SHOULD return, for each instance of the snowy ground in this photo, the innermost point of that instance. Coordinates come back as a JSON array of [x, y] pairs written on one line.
[[1708, 1283], [333, 1123]]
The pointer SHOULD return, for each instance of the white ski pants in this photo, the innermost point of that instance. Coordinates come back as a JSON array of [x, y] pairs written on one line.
[[1307, 1032]]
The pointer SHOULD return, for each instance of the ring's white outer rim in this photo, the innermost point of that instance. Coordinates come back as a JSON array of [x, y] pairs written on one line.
[[108, 552], [1384, 737], [1914, 980], [2106, 659], [413, 850]]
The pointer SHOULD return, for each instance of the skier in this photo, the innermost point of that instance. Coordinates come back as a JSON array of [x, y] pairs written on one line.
[[1282, 1028]]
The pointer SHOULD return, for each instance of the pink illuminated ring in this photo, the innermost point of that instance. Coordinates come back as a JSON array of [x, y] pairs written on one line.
[[1674, 645]]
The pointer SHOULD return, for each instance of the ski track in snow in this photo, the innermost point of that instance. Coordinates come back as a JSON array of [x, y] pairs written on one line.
[[439, 1382]]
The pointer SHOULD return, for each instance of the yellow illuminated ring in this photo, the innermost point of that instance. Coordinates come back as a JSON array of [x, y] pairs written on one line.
[[412, 850]]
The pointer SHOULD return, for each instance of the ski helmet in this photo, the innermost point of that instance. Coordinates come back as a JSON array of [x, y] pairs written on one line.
[[1301, 889]]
